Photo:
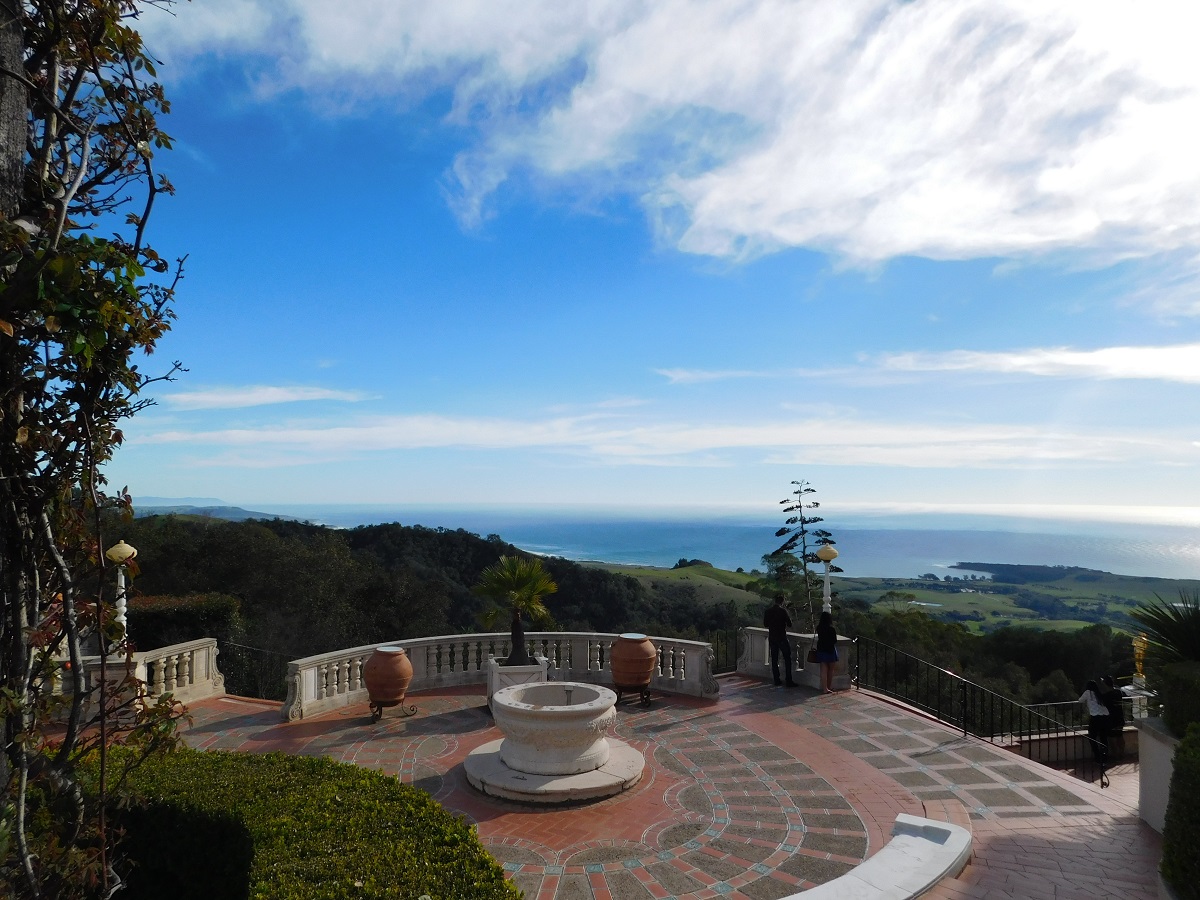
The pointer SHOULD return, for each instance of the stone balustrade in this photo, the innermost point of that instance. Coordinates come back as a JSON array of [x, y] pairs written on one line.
[[187, 671], [755, 658], [328, 681]]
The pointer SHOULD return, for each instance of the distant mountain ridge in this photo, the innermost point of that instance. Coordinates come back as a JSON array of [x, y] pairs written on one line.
[[228, 513], [179, 501]]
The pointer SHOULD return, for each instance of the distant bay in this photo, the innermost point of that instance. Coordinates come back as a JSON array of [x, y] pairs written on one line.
[[899, 546]]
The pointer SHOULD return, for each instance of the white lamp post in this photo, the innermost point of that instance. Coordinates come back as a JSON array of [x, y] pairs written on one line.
[[826, 555], [121, 553]]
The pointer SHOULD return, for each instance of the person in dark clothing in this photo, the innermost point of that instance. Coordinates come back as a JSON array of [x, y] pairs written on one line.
[[1097, 721], [827, 654], [777, 622], [1111, 698]]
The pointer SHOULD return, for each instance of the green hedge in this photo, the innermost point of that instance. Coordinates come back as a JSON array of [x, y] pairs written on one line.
[[161, 621], [279, 827], [1180, 862], [1179, 685]]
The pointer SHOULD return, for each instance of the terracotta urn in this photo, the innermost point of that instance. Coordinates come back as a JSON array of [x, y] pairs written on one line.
[[387, 673], [633, 658]]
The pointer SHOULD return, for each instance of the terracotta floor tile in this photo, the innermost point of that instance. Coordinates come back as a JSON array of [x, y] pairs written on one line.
[[756, 767]]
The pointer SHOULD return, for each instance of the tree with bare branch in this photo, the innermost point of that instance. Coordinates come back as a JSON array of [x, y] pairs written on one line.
[[79, 308]]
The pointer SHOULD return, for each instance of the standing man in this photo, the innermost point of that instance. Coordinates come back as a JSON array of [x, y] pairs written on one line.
[[777, 622]]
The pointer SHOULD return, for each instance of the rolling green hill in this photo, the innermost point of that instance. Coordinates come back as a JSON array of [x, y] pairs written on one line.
[[712, 586], [1048, 597]]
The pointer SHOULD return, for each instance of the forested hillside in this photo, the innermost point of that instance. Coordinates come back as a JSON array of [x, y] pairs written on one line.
[[306, 589], [303, 589]]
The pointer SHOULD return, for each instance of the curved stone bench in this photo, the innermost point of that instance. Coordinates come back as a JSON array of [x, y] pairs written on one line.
[[920, 854]]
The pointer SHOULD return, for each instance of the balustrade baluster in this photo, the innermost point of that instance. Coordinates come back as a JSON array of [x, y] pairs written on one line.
[[185, 670], [580, 655], [356, 665], [594, 664], [343, 676], [322, 674], [160, 667], [171, 680]]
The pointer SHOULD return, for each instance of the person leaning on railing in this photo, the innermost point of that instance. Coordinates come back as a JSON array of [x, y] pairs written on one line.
[[1097, 721], [1112, 699]]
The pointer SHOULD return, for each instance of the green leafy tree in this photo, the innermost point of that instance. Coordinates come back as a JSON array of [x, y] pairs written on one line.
[[794, 564], [516, 585], [79, 109], [896, 601]]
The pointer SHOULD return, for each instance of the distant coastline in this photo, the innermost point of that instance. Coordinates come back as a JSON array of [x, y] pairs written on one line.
[[930, 544]]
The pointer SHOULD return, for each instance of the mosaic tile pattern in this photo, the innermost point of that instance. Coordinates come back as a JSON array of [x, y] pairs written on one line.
[[759, 795]]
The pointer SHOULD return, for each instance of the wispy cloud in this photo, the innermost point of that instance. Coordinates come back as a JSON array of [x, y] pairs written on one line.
[[1177, 363], [867, 128], [697, 376], [609, 439], [255, 395], [1150, 515]]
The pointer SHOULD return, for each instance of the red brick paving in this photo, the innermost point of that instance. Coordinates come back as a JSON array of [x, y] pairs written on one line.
[[735, 788]]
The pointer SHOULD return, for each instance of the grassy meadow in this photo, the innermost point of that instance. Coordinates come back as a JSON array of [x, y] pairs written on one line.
[[1056, 598]]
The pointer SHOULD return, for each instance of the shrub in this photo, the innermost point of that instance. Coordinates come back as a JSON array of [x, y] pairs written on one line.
[[1179, 687], [294, 828], [1180, 863], [161, 621]]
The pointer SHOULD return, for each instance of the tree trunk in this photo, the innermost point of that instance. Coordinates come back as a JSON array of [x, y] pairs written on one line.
[[518, 655], [13, 108]]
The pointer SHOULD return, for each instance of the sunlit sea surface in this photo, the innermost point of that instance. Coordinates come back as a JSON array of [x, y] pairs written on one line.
[[899, 546]]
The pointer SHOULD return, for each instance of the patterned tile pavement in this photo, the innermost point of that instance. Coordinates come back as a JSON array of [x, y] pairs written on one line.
[[761, 793]]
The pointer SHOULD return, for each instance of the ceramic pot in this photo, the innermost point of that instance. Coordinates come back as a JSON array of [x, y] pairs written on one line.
[[633, 658], [387, 673]]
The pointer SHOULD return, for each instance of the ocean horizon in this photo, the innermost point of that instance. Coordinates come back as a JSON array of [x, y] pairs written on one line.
[[902, 546]]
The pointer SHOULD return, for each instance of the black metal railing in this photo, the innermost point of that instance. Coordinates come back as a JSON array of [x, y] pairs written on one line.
[[1072, 713], [253, 671], [980, 712], [726, 647]]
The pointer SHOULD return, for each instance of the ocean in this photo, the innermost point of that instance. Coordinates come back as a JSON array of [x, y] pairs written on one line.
[[899, 546]]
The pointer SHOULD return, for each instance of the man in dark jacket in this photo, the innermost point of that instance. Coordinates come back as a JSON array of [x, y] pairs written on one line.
[[777, 622], [1111, 697]]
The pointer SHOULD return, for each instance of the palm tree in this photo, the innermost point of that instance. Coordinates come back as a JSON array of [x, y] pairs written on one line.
[[1172, 629], [517, 584]]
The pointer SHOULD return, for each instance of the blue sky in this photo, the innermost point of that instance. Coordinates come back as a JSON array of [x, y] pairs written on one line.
[[926, 256]]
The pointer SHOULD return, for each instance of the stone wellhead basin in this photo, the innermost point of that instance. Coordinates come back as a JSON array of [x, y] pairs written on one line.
[[555, 747]]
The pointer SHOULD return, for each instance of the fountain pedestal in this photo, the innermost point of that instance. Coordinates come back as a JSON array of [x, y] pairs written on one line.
[[555, 747]]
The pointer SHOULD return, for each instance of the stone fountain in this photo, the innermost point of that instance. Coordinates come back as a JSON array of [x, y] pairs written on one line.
[[555, 747]]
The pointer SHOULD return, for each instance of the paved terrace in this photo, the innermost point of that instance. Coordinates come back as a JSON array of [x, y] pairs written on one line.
[[758, 794]]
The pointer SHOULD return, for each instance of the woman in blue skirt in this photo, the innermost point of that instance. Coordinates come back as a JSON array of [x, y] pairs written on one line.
[[827, 654]]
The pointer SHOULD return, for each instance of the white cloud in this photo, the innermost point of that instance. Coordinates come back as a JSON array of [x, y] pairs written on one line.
[[1178, 363], [610, 439], [255, 395], [697, 376], [866, 128], [1149, 515], [187, 28]]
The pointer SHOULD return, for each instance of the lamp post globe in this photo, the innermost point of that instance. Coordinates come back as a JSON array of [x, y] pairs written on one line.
[[121, 553], [827, 555]]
